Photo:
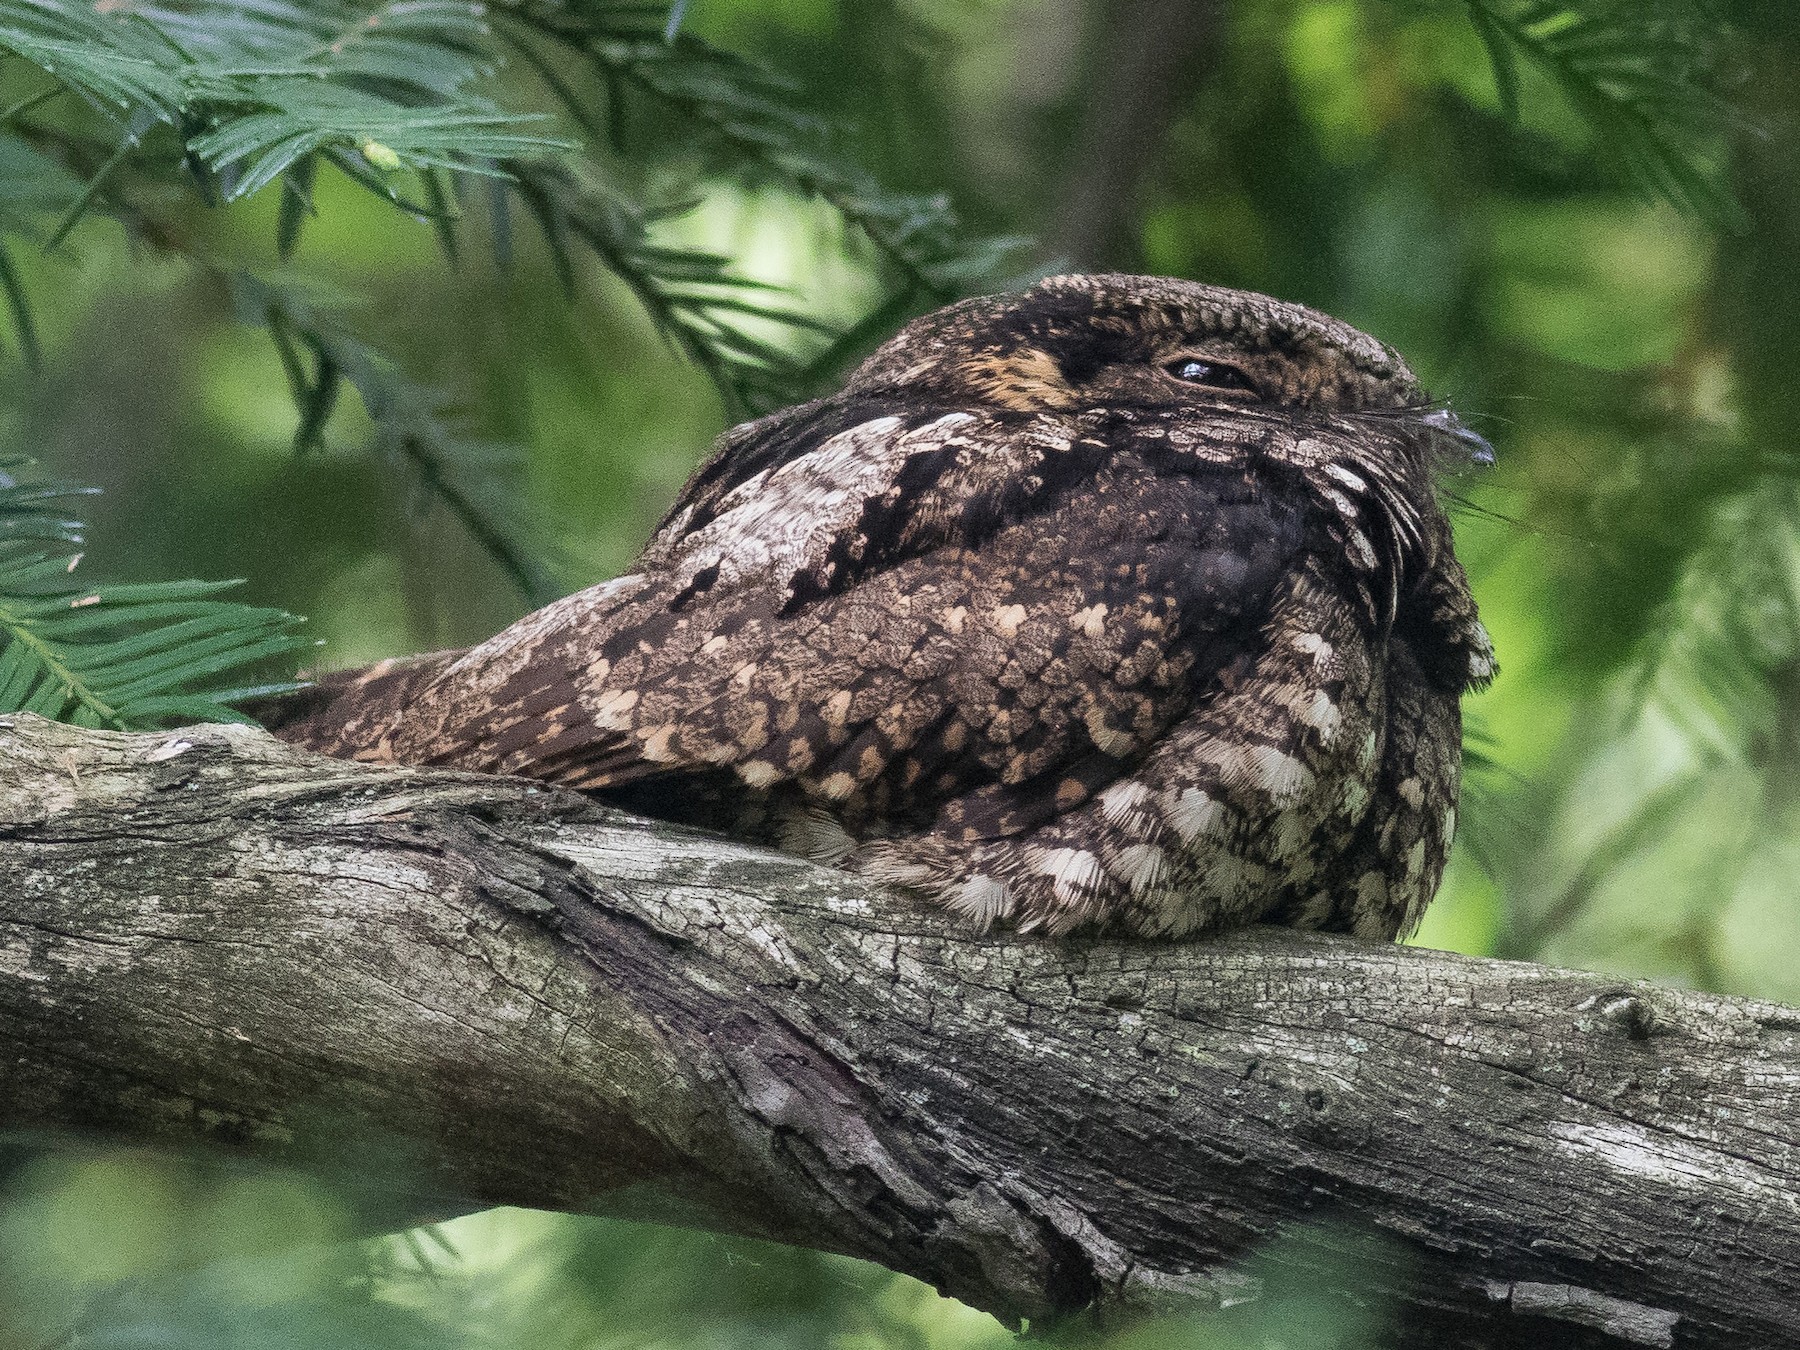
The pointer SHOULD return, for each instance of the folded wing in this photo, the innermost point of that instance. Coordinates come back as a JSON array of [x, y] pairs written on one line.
[[962, 622]]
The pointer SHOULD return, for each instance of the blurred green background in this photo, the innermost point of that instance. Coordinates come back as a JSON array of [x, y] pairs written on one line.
[[1628, 335]]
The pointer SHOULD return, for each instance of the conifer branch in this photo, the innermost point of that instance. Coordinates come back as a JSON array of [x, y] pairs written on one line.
[[120, 656], [1643, 76]]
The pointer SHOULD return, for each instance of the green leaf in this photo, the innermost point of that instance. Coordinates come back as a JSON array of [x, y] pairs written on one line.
[[120, 656], [321, 355], [36, 513], [296, 206], [750, 117], [1640, 74], [114, 655], [252, 90], [1500, 57]]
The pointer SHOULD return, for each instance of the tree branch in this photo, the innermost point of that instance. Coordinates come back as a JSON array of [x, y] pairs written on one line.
[[210, 937]]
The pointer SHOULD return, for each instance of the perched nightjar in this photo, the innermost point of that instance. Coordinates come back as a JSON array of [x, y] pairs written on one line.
[[1119, 603]]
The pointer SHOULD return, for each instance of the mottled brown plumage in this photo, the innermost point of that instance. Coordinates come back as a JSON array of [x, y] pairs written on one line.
[[1118, 603]]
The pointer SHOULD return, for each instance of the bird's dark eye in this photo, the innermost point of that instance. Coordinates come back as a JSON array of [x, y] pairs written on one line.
[[1192, 370]]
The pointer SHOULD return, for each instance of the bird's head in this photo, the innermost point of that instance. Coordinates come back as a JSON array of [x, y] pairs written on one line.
[[1079, 343]]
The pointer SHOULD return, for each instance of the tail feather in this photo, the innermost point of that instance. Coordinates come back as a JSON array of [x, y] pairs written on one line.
[[352, 714]]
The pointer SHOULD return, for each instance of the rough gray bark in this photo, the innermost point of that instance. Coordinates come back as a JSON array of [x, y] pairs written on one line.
[[209, 937]]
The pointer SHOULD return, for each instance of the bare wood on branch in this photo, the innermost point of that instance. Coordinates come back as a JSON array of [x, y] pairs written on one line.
[[210, 938]]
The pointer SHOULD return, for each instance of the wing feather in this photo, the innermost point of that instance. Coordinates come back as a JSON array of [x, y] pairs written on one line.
[[973, 671]]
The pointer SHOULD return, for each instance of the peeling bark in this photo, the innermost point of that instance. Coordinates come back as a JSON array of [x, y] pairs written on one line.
[[511, 995]]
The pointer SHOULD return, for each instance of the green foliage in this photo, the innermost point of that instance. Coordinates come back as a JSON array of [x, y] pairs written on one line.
[[36, 513], [116, 1250], [1642, 75], [417, 322], [122, 656], [222, 100], [320, 355], [247, 92], [747, 116], [691, 294], [1723, 655]]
